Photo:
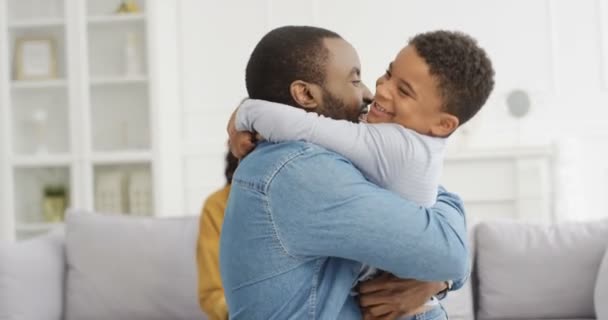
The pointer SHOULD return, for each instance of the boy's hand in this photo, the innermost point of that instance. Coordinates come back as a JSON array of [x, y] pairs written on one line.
[[240, 142], [389, 297]]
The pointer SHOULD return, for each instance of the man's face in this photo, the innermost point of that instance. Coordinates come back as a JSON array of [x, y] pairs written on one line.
[[344, 94]]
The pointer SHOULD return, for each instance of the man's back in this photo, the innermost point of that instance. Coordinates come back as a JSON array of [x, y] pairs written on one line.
[[300, 221], [261, 278]]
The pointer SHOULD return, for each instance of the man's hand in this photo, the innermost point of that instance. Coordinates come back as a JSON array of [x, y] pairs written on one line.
[[240, 142], [388, 297]]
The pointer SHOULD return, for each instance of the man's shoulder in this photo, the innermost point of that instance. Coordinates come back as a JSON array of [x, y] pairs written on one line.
[[271, 159], [281, 153]]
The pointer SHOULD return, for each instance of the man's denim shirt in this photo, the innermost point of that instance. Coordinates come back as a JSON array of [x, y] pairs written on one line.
[[300, 221]]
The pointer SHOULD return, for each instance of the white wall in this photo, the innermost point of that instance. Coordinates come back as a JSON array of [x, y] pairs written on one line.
[[555, 50]]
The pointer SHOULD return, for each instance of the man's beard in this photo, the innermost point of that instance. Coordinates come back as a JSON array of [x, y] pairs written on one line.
[[335, 108]]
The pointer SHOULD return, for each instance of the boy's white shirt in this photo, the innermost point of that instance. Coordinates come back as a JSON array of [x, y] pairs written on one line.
[[389, 155]]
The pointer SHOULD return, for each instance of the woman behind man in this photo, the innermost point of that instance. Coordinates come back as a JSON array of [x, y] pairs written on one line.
[[210, 290]]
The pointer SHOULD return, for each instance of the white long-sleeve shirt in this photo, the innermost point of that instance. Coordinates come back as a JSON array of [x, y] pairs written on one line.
[[388, 154]]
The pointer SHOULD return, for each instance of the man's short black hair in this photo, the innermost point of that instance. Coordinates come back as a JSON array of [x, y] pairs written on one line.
[[284, 55], [463, 69]]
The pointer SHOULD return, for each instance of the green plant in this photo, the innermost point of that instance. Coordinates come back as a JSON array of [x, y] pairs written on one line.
[[55, 191]]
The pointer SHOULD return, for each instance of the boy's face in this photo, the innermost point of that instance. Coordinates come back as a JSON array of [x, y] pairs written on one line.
[[409, 95]]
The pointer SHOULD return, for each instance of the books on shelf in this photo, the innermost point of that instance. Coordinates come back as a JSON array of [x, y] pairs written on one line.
[[118, 191], [110, 193], [140, 192]]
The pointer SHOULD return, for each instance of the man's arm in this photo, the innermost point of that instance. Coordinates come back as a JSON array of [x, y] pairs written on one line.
[[388, 295], [322, 206]]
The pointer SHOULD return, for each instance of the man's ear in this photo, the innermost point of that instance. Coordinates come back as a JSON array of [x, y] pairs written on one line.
[[445, 125], [308, 95]]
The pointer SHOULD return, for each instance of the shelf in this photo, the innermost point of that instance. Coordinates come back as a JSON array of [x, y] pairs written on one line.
[[108, 81], [39, 84], [62, 132], [37, 23], [38, 227], [121, 157], [118, 18], [41, 161]]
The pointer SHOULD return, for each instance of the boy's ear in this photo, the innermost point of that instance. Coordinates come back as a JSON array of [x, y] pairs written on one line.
[[307, 95], [446, 124]]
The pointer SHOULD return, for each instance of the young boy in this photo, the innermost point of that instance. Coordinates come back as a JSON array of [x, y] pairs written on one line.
[[436, 83]]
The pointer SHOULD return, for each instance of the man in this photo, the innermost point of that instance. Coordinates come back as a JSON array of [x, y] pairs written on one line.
[[300, 219]]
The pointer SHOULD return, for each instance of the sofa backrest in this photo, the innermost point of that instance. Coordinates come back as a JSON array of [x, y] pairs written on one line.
[[122, 267], [32, 276], [527, 271]]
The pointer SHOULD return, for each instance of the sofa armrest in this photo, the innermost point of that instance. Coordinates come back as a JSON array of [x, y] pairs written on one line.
[[32, 275]]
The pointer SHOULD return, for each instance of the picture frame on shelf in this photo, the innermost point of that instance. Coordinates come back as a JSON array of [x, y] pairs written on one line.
[[35, 58]]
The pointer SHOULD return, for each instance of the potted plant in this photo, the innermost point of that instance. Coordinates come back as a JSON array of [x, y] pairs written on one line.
[[54, 203]]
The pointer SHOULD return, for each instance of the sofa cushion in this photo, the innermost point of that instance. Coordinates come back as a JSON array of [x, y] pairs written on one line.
[[530, 271], [601, 290], [122, 267], [32, 275]]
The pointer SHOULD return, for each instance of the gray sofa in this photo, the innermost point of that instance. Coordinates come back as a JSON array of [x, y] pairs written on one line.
[[121, 267]]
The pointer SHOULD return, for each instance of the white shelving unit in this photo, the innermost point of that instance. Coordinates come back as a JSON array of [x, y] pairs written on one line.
[[54, 160], [507, 183], [113, 19], [121, 157], [40, 84], [110, 81], [86, 129], [36, 23]]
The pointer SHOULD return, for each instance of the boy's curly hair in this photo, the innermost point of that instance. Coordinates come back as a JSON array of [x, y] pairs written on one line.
[[463, 69]]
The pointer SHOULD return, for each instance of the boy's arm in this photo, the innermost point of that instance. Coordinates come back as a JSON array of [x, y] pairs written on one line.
[[378, 150]]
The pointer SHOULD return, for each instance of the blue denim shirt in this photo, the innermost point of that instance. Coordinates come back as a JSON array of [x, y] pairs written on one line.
[[299, 222]]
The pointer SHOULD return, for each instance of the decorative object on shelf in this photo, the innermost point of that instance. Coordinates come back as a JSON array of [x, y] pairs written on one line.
[[140, 192], [128, 6], [518, 103], [54, 203], [39, 120], [132, 58], [110, 192], [35, 58]]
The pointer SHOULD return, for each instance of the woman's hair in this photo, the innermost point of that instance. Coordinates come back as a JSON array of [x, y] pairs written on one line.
[[231, 163]]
